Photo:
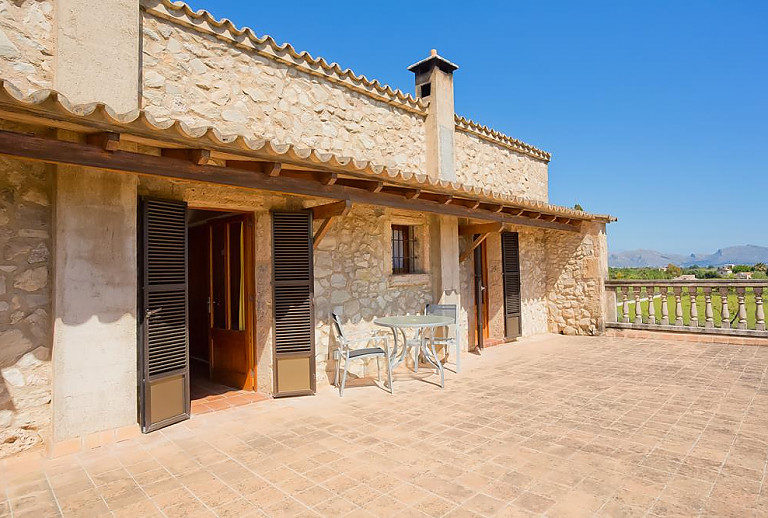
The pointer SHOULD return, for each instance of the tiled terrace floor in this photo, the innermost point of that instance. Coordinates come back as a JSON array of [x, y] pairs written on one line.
[[554, 425]]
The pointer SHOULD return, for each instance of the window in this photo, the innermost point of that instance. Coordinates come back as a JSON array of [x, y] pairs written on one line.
[[403, 249]]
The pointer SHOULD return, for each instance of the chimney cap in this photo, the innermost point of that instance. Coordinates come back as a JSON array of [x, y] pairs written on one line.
[[433, 60]]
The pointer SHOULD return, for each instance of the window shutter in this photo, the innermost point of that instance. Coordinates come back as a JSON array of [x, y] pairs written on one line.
[[293, 282], [510, 252], [162, 318]]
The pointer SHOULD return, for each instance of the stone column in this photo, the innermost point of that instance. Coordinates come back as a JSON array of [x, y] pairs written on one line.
[[97, 52], [94, 308], [444, 265], [434, 83]]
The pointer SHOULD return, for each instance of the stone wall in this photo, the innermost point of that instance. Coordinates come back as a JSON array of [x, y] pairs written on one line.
[[201, 80], [27, 43], [577, 266], [25, 304], [492, 166], [353, 275]]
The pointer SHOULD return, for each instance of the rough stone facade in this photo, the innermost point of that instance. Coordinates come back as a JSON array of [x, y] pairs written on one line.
[[25, 295], [196, 78], [488, 165], [577, 266], [27, 43]]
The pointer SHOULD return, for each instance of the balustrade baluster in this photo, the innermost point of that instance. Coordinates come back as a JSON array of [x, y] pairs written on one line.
[[664, 308], [678, 291], [725, 311], [709, 316], [638, 306], [625, 305], [740, 295], [759, 311], [694, 310], [651, 309]]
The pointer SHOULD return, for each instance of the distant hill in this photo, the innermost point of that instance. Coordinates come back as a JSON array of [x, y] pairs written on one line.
[[745, 254]]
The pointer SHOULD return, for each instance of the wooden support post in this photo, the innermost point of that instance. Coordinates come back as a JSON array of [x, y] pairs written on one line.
[[329, 210], [106, 140], [324, 226], [477, 242]]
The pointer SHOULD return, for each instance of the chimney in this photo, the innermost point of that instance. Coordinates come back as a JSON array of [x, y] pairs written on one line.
[[434, 83]]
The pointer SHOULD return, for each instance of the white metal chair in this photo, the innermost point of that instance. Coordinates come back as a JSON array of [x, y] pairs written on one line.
[[346, 353], [450, 311]]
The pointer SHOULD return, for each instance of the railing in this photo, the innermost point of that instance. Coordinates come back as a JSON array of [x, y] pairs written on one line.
[[732, 307]]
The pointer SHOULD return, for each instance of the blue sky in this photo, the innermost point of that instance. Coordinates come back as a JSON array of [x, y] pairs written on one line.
[[654, 111]]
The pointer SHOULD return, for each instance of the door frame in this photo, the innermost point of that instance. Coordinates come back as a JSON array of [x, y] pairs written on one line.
[[249, 283], [480, 331]]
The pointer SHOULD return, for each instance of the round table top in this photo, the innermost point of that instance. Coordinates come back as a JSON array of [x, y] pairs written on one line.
[[414, 321]]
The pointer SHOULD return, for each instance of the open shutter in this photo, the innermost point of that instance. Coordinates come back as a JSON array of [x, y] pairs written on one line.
[[293, 307], [510, 252], [163, 351]]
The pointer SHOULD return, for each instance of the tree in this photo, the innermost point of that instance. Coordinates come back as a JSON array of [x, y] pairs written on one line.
[[578, 207], [761, 267], [674, 270], [742, 268]]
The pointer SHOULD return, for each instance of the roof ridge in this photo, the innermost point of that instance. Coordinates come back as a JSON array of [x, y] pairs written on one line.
[[317, 65], [101, 116], [501, 138]]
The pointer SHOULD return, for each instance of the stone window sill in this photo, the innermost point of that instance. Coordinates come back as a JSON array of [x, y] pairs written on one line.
[[409, 279]]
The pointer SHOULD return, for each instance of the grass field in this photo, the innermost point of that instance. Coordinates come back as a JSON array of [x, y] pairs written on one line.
[[733, 306]]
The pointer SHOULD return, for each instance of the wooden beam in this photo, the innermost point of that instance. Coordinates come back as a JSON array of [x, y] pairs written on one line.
[[443, 199], [323, 177], [474, 245], [268, 168], [106, 140], [196, 156], [329, 210], [470, 204], [54, 151], [368, 185], [324, 226], [406, 192], [480, 228]]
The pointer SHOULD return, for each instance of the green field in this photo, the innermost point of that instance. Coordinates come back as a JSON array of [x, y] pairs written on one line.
[[733, 306]]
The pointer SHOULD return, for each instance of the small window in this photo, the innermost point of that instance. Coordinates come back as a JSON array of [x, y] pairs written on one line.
[[403, 249], [426, 89]]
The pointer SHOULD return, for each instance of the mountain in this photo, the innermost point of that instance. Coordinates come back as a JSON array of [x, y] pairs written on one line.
[[745, 254]]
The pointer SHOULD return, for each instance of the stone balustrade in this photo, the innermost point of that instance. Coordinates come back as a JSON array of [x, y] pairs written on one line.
[[732, 307]]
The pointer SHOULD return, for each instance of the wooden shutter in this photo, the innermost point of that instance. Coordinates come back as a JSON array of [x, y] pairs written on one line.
[[510, 253], [164, 347], [293, 283]]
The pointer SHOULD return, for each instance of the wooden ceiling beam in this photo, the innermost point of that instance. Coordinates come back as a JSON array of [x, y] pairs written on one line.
[[106, 140], [267, 168], [480, 228], [196, 156], [50, 150], [368, 185], [329, 210]]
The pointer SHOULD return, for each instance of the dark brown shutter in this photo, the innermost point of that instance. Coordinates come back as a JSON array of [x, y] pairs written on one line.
[[293, 308], [510, 253], [163, 351]]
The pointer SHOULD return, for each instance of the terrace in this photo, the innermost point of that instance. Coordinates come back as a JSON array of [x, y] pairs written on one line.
[[555, 425]]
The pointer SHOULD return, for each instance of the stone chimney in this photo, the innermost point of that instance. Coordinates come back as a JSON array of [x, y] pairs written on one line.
[[434, 83]]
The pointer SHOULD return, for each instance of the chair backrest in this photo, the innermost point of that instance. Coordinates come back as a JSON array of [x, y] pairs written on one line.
[[336, 322], [442, 310]]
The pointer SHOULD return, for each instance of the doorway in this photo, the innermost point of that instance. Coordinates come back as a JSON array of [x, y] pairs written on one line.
[[221, 299], [481, 295]]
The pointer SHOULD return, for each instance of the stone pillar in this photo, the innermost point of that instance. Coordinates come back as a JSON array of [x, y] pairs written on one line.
[[444, 265], [434, 83], [97, 52], [94, 305]]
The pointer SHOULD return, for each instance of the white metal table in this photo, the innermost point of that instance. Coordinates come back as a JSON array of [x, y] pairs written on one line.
[[420, 323]]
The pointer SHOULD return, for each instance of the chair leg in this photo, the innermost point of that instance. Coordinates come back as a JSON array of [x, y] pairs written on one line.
[[458, 356], [344, 378], [389, 376], [416, 359], [337, 356], [378, 368]]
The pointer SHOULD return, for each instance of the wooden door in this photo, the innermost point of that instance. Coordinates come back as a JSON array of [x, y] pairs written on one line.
[[510, 257], [230, 287], [481, 294], [162, 316], [294, 316]]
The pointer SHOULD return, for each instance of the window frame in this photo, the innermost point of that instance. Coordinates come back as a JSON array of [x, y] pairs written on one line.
[[403, 249]]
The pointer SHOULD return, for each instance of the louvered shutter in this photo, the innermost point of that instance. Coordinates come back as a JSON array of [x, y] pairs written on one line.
[[293, 308], [164, 350], [510, 252]]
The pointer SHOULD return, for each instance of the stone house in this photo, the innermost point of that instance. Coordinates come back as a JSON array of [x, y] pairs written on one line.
[[181, 198]]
